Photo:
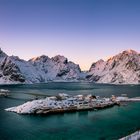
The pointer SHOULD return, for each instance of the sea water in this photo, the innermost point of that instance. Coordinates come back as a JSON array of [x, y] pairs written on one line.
[[106, 124]]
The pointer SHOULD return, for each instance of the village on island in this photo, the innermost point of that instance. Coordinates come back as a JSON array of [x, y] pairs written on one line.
[[66, 103]]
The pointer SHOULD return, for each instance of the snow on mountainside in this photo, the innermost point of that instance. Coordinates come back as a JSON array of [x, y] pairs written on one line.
[[123, 68], [9, 72], [36, 70], [56, 68]]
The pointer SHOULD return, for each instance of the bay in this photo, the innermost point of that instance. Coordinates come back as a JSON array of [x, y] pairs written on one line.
[[107, 124]]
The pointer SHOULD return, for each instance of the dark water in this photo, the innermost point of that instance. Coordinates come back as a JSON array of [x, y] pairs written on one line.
[[107, 124]]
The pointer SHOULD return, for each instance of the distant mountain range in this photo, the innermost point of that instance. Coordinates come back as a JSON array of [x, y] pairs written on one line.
[[123, 68]]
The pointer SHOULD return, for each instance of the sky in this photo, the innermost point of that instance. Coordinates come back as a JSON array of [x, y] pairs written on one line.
[[84, 31]]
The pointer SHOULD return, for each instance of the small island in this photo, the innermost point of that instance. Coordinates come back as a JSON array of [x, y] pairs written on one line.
[[64, 103]]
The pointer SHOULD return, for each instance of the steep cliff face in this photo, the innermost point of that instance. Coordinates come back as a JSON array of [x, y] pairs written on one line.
[[122, 68], [56, 68], [36, 70], [9, 71], [2, 54], [16, 70]]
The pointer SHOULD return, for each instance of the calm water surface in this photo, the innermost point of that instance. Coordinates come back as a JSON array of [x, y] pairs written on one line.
[[107, 124]]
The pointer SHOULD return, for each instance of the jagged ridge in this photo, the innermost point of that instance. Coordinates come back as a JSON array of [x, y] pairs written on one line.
[[37, 70], [123, 68]]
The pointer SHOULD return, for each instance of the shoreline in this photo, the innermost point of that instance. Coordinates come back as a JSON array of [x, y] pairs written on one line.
[[70, 81], [64, 103], [133, 136], [70, 110], [46, 111]]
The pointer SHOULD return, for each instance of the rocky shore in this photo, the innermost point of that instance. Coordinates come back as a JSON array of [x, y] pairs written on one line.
[[134, 136]]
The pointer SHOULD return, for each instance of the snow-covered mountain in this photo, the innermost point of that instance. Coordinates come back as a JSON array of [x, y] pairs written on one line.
[[9, 72], [123, 68], [36, 70], [57, 68]]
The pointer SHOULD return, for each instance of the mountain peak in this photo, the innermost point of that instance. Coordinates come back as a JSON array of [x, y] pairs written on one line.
[[100, 61], [121, 68], [2, 54], [130, 51], [42, 57], [60, 58]]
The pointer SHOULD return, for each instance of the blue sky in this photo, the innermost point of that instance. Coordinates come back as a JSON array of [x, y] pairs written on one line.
[[82, 30]]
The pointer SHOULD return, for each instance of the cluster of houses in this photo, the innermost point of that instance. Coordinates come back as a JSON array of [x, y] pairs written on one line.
[[79, 101], [63, 103]]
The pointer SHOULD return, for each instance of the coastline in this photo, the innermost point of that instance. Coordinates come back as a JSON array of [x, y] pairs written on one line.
[[133, 136], [112, 117], [64, 103], [68, 81]]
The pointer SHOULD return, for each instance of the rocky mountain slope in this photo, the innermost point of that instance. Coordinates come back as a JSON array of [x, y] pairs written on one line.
[[56, 68], [36, 70], [123, 68]]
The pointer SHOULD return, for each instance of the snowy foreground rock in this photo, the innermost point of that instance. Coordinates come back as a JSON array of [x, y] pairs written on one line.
[[134, 136], [123, 68]]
